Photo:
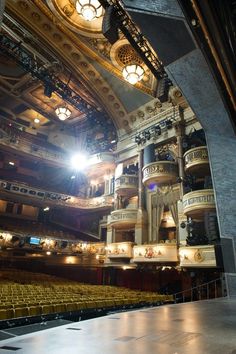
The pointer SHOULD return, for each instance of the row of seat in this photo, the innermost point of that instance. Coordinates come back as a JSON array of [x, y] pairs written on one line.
[[49, 294]]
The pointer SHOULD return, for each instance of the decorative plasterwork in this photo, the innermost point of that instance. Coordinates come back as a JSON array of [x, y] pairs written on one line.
[[66, 11], [91, 35], [70, 49]]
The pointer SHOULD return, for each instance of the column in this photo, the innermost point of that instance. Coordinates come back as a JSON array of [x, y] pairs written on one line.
[[141, 232], [180, 132]]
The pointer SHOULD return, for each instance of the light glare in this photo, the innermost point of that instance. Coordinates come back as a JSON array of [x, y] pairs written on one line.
[[79, 162]]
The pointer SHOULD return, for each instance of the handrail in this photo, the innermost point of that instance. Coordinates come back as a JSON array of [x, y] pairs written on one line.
[[197, 294]]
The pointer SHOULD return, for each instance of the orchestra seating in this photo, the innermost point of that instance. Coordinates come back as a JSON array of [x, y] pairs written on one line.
[[24, 295]]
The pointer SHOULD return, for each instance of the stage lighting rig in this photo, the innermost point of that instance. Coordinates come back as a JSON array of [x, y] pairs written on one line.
[[121, 19], [36, 67]]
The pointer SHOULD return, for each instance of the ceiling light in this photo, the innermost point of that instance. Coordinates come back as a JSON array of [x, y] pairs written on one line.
[[46, 209], [79, 162], [36, 120], [11, 163], [89, 9], [133, 73], [63, 113]]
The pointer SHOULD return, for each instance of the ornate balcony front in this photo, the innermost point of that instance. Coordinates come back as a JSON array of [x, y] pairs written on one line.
[[160, 172], [120, 250], [126, 185], [158, 253], [41, 197], [123, 218], [198, 256], [196, 161], [197, 202]]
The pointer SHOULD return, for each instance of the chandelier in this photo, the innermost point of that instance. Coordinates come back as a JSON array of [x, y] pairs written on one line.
[[89, 9], [133, 73], [63, 113]]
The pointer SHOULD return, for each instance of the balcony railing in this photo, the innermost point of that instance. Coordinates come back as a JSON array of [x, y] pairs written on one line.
[[126, 185], [160, 172], [196, 160], [120, 250], [155, 253], [197, 202], [122, 218], [198, 256], [43, 197]]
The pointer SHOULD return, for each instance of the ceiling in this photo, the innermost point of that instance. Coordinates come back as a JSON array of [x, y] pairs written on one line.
[[75, 53]]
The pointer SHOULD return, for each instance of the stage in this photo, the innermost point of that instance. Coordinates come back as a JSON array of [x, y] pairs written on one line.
[[191, 328]]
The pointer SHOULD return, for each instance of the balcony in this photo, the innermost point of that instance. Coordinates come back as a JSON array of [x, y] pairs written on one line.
[[126, 185], [160, 172], [197, 202], [40, 197], [120, 250], [196, 161], [123, 218], [159, 253], [198, 256]]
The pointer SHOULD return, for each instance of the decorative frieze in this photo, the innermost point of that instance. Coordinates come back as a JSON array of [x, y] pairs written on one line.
[[120, 250], [123, 217], [198, 256], [44, 197], [155, 253], [196, 159], [197, 202], [160, 172], [126, 184]]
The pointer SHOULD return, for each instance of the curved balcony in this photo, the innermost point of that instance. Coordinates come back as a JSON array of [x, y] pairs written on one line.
[[198, 256], [123, 218], [197, 202], [38, 197], [160, 172], [196, 161], [155, 253], [126, 185]]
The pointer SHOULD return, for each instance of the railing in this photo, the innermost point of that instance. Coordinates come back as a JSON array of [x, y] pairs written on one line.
[[205, 291], [52, 198]]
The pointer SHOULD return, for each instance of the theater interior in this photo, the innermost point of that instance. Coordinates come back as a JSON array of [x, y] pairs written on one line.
[[116, 185]]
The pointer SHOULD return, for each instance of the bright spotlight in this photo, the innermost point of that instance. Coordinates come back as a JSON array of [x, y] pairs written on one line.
[[79, 162]]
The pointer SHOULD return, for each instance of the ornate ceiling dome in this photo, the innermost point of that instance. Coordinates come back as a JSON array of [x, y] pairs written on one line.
[[67, 12]]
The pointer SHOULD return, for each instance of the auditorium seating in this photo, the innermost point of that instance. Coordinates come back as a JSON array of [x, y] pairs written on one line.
[[24, 294]]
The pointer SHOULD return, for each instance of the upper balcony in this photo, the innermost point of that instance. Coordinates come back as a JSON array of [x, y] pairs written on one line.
[[196, 161], [160, 172], [40, 197], [196, 203], [126, 185], [123, 218]]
